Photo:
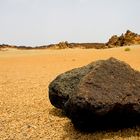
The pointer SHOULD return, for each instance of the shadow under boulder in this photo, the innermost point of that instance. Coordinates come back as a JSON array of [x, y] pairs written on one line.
[[103, 94]]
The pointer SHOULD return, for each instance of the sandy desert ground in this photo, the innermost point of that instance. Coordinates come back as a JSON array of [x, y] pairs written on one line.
[[25, 110]]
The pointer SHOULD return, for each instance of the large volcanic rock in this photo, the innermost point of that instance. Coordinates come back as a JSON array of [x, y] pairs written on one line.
[[64, 85], [102, 94], [107, 96]]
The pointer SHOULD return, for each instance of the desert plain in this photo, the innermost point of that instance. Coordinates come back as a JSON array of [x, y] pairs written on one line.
[[25, 110]]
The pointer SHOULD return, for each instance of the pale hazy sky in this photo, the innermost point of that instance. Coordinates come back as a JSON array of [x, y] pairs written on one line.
[[38, 22]]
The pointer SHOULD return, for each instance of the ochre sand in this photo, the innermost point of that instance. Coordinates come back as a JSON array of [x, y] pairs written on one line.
[[25, 110]]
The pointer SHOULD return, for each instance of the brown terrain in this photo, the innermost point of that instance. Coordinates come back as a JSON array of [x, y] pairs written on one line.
[[25, 109], [129, 38]]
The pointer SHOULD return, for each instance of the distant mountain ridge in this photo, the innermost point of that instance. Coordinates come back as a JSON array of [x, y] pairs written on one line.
[[64, 45], [129, 38]]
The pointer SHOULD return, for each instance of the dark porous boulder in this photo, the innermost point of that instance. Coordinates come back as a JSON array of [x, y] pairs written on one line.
[[64, 85], [107, 96]]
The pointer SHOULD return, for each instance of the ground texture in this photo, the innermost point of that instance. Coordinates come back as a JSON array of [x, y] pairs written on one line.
[[25, 110]]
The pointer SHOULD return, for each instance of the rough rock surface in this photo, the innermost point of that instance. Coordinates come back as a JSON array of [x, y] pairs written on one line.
[[129, 38], [105, 93], [107, 96], [61, 88]]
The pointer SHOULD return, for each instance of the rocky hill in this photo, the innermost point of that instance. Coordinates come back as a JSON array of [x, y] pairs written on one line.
[[129, 38], [64, 45]]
